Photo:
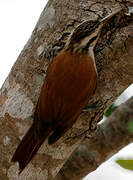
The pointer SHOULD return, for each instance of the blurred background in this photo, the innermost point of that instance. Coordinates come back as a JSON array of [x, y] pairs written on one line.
[[17, 21]]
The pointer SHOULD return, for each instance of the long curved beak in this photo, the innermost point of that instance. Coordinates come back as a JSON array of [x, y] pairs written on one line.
[[107, 18]]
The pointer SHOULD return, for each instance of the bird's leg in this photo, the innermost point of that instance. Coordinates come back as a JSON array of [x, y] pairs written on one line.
[[90, 107], [89, 133]]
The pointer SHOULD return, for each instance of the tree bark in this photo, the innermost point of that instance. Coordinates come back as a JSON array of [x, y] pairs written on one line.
[[19, 94], [111, 135]]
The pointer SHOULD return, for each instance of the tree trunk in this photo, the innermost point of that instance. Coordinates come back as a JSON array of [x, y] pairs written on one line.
[[19, 94]]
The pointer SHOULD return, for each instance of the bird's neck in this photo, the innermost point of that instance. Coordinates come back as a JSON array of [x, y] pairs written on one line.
[[91, 54], [82, 52]]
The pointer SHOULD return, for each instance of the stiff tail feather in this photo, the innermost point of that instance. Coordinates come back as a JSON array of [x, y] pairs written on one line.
[[27, 148]]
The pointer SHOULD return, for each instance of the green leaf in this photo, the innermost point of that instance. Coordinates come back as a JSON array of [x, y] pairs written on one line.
[[111, 108], [130, 126], [125, 163]]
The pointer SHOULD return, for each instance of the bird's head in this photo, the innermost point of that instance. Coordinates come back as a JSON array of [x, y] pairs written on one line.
[[85, 36]]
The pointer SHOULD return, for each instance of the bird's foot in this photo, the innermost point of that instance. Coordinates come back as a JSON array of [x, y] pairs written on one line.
[[90, 107]]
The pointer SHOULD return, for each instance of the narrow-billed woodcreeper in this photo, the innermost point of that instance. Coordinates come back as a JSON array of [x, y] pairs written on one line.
[[70, 81]]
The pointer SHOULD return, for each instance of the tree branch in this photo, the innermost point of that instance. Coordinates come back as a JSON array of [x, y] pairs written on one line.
[[19, 94], [110, 136]]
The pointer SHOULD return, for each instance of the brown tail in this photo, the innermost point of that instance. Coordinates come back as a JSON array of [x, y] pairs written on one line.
[[27, 148]]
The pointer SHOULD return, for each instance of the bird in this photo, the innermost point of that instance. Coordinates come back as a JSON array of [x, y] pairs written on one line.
[[69, 83]]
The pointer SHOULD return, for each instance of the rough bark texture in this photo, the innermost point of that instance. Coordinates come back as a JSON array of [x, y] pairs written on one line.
[[19, 94], [110, 136]]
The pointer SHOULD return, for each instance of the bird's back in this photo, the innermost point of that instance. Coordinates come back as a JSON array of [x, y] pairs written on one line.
[[70, 80]]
